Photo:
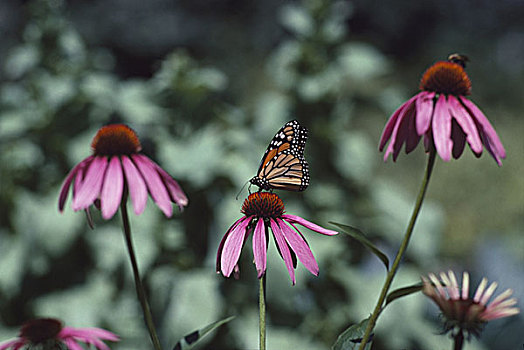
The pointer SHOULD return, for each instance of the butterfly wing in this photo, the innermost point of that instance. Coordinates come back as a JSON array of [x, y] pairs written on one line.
[[283, 165]]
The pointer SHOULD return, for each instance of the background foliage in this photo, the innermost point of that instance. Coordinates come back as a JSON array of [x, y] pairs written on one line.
[[206, 84]]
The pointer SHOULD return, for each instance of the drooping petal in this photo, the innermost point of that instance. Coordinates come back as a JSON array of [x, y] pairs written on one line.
[[221, 245], [442, 129], [87, 334], [300, 247], [388, 129], [112, 189], [490, 138], [72, 344], [89, 189], [308, 224], [463, 118], [12, 343], [459, 139], [424, 104], [156, 187], [259, 247], [403, 130], [64, 190], [233, 246], [177, 194], [284, 250], [413, 137], [136, 185], [399, 132]]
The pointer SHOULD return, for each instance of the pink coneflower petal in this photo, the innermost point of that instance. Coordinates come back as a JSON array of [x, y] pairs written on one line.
[[67, 182], [468, 126], [112, 188], [392, 122], [300, 247], [454, 285], [136, 185], [504, 295], [283, 248], [449, 286], [17, 343], [437, 284], [500, 314], [442, 129], [308, 224], [459, 139], [399, 131], [177, 195], [72, 344], [480, 290], [221, 245], [424, 106], [89, 189], [491, 139], [233, 246], [156, 187], [259, 247], [465, 285], [88, 333], [403, 135], [489, 292], [413, 137]]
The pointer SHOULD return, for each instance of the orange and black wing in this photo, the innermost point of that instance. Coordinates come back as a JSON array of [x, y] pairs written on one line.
[[283, 165]]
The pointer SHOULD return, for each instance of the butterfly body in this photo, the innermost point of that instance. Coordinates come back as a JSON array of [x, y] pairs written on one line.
[[283, 165]]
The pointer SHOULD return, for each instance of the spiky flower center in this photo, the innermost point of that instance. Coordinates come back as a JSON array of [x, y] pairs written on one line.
[[446, 78], [263, 204], [115, 139], [464, 314], [41, 330]]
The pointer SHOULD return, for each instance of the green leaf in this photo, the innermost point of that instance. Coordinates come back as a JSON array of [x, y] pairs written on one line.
[[351, 338], [361, 237], [402, 292], [189, 340]]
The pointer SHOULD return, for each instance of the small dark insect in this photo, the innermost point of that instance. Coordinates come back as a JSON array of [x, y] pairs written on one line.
[[458, 59], [283, 166]]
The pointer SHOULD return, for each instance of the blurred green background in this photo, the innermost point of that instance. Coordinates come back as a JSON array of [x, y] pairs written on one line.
[[206, 84]]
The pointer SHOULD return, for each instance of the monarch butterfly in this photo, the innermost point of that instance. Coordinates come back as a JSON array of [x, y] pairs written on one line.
[[283, 165]]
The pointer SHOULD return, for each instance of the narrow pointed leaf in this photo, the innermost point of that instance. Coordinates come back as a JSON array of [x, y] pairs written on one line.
[[402, 292], [351, 338], [189, 340], [361, 237]]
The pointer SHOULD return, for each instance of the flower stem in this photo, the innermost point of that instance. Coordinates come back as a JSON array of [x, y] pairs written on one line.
[[262, 311], [458, 341], [403, 246], [138, 282]]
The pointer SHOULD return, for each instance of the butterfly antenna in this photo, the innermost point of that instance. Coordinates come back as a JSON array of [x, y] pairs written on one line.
[[238, 194]]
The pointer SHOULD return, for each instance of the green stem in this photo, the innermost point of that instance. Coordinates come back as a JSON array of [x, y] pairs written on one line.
[[402, 249], [458, 342], [138, 282], [262, 311]]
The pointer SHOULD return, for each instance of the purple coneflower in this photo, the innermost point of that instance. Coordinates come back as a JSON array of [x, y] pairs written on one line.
[[264, 210], [443, 115], [117, 166], [463, 313], [50, 334]]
